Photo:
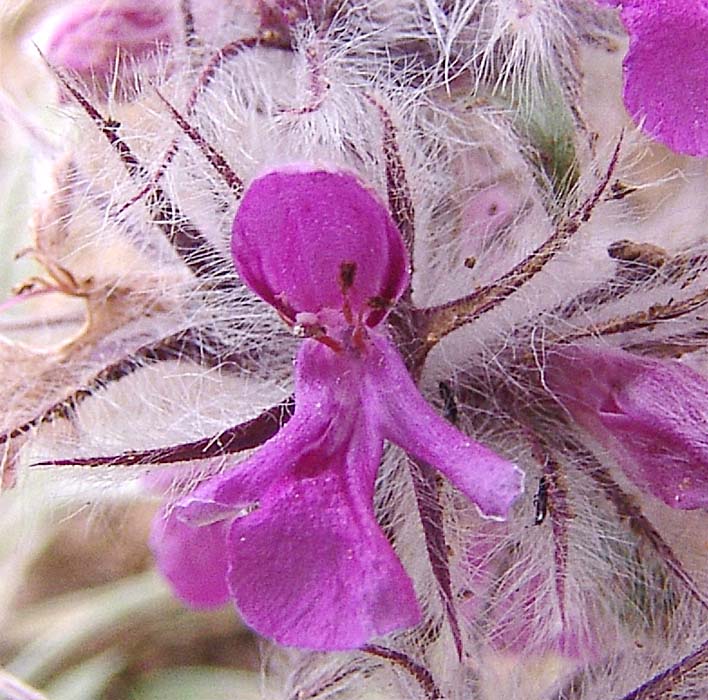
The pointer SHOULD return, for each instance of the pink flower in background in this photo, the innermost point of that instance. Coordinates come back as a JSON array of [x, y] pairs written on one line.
[[91, 36], [290, 534], [666, 70], [651, 414], [529, 612]]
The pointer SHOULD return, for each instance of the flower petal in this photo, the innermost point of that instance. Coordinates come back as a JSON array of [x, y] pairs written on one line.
[[245, 483], [193, 560], [308, 564], [490, 481], [666, 71], [652, 414], [312, 568], [189, 536], [295, 228]]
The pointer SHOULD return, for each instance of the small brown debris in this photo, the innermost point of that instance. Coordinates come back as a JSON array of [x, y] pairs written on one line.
[[642, 253]]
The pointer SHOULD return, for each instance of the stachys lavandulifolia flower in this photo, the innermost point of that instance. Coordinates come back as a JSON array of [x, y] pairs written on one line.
[[290, 534], [650, 414], [96, 39]]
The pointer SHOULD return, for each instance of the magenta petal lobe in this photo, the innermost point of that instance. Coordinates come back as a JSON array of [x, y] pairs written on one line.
[[311, 570], [307, 563], [193, 560], [92, 35], [666, 71], [490, 481]]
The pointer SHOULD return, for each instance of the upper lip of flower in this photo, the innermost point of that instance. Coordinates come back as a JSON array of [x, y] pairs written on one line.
[[299, 244]]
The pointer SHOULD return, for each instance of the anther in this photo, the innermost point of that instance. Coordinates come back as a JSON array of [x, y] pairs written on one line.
[[347, 275], [379, 303]]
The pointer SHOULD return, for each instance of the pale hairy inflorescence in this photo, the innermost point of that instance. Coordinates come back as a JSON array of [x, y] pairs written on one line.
[[401, 253]]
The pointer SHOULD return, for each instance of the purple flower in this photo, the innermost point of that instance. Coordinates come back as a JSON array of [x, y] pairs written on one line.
[[91, 36], [290, 534], [666, 70], [652, 415]]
